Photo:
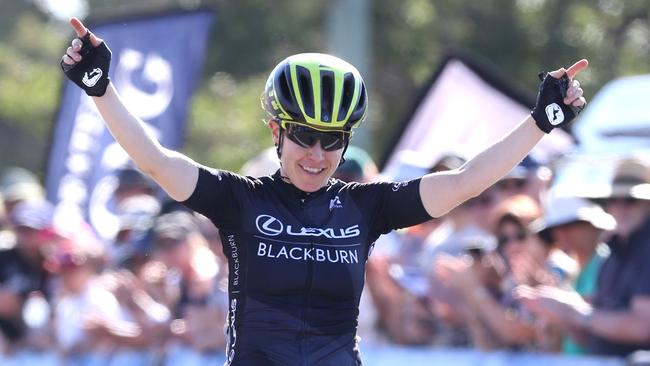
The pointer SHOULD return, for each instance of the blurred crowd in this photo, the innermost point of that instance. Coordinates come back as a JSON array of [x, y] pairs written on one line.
[[154, 295], [517, 268]]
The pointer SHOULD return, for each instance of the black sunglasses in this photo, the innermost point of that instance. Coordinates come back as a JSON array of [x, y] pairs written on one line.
[[480, 201], [307, 137], [625, 201], [511, 184], [519, 236]]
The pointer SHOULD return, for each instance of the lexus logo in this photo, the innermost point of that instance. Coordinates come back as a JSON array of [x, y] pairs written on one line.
[[269, 225]]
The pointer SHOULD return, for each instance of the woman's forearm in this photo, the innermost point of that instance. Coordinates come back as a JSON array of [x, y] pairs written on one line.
[[442, 192], [174, 172]]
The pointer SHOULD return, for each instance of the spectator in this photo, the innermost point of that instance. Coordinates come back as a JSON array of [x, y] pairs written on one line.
[[358, 166], [22, 267], [140, 312], [3, 215], [576, 226], [495, 319], [617, 322], [465, 222], [89, 321], [7, 238], [529, 177], [396, 279], [452, 278], [264, 163], [199, 317], [131, 182], [136, 215], [17, 185], [135, 279]]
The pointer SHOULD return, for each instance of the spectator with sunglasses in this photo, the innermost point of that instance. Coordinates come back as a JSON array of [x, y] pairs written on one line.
[[493, 317], [528, 177], [395, 275], [297, 241], [465, 224], [617, 321], [468, 220]]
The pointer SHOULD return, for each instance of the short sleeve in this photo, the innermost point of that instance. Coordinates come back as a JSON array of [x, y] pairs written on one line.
[[217, 196], [394, 205]]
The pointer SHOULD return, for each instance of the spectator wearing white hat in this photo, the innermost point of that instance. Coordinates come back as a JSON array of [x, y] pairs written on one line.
[[576, 226], [18, 185], [617, 322]]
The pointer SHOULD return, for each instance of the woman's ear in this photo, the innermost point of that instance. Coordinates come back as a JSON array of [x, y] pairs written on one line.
[[275, 131]]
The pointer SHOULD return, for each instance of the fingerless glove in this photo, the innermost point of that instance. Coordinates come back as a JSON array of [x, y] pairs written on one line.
[[550, 111], [91, 73]]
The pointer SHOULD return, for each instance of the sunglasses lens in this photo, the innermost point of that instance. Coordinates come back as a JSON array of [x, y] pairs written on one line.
[[307, 137], [511, 184], [331, 141], [303, 139], [505, 239], [521, 235], [627, 201]]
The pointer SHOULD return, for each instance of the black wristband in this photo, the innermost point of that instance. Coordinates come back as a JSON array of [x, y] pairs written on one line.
[[91, 73], [550, 111]]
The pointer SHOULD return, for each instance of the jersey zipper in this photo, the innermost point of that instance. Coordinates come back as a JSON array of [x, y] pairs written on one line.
[[304, 354], [305, 309]]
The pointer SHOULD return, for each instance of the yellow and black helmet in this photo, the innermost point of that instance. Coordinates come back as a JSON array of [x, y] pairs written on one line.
[[317, 90]]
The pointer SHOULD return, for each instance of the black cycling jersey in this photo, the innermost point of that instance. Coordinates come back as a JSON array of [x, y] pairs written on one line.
[[297, 261]]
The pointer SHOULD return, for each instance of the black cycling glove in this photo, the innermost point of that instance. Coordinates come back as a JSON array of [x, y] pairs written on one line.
[[91, 73], [550, 111]]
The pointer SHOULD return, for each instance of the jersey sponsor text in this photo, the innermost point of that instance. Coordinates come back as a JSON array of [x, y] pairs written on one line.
[[350, 256]]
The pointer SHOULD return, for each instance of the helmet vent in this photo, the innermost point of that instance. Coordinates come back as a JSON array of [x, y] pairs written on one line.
[[305, 90], [285, 91], [285, 96], [360, 108], [348, 92], [327, 95]]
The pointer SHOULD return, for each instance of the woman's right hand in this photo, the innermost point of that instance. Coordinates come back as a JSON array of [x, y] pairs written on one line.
[[87, 60]]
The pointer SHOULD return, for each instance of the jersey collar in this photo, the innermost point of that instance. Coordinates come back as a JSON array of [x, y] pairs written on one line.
[[292, 191]]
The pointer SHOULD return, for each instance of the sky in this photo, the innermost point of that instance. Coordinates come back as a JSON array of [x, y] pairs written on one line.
[[64, 9]]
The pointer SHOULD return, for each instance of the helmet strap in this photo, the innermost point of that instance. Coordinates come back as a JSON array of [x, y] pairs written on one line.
[[278, 146], [345, 148]]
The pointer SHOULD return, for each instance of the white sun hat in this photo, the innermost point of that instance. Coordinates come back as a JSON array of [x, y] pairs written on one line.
[[567, 209]]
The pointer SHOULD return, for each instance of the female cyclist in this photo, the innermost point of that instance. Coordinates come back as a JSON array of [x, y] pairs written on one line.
[[297, 241]]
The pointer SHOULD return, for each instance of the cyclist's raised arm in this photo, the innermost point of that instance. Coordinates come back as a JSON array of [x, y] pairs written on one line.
[[174, 172], [558, 102], [87, 63]]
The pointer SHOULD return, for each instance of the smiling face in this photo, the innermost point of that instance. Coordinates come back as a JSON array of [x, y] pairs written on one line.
[[308, 168]]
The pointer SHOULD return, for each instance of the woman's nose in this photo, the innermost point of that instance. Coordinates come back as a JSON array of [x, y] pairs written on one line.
[[316, 151]]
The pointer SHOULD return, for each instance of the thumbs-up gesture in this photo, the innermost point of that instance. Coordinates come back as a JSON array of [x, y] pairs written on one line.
[[87, 61], [559, 99]]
